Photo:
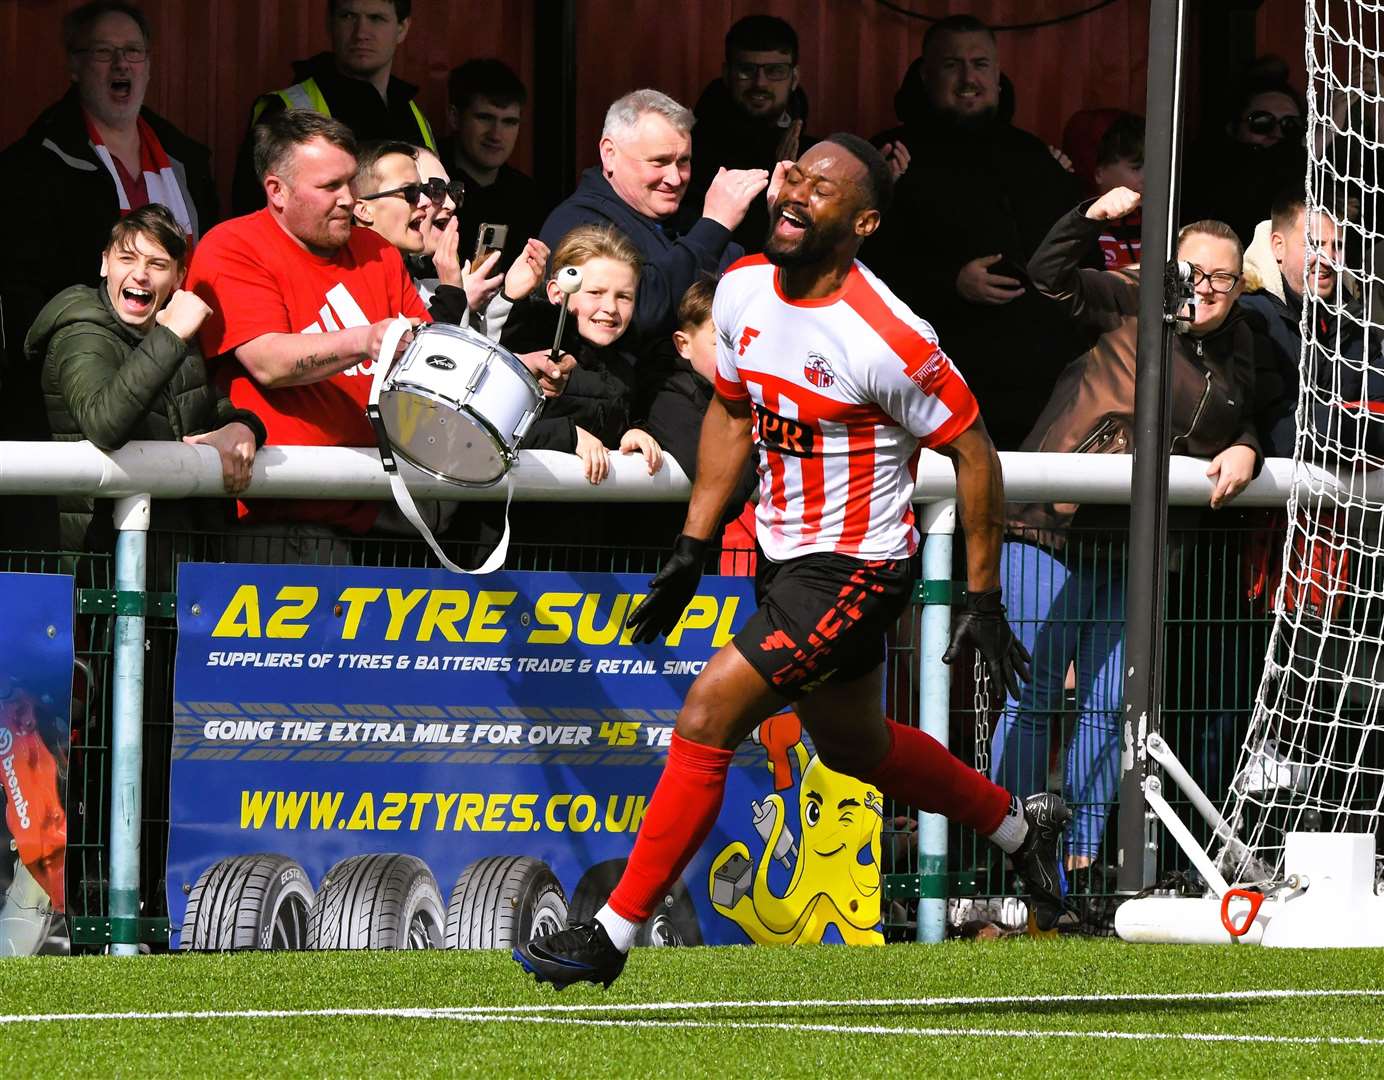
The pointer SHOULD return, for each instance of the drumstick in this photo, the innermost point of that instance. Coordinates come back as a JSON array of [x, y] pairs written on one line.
[[569, 281]]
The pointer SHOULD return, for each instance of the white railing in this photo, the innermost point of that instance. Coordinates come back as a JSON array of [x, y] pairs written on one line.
[[169, 470], [141, 471]]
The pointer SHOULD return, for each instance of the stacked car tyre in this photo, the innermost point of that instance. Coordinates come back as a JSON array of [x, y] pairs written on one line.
[[674, 921], [377, 902], [248, 902], [503, 901]]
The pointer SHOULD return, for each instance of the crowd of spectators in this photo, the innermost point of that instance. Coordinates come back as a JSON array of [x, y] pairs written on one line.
[[135, 309]]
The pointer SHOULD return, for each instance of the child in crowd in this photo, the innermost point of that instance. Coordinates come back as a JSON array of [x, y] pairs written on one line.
[[1120, 164], [595, 414], [695, 337], [676, 410]]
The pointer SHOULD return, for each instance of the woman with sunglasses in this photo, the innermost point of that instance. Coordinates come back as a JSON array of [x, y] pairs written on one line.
[[1234, 172], [394, 199], [490, 294], [1062, 566]]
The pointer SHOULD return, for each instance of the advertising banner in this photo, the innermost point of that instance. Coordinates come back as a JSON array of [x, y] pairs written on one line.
[[35, 734], [393, 758]]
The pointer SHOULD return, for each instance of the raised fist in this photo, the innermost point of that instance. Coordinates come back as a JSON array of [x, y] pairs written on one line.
[[1114, 204], [183, 314]]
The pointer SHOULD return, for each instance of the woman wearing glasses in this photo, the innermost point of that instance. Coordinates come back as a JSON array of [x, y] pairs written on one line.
[[412, 205], [1062, 566]]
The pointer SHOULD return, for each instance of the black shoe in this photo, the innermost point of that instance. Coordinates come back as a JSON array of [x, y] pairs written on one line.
[[1039, 861], [581, 953]]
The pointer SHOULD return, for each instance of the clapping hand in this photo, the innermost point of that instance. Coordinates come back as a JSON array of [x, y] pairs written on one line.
[[897, 157], [527, 271]]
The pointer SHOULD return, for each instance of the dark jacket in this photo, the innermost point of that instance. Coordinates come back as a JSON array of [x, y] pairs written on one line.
[[1346, 412], [511, 200], [673, 261], [1351, 391], [678, 401], [970, 192], [104, 382], [1091, 410], [1237, 182], [63, 203], [355, 102], [726, 137], [1276, 374], [602, 394]]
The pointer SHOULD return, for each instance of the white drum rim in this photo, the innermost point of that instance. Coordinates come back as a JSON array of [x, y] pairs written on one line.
[[452, 479], [480, 341]]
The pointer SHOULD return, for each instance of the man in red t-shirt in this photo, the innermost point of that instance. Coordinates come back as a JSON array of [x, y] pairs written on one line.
[[300, 302]]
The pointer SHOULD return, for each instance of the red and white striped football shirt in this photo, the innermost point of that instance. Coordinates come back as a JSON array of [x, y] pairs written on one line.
[[845, 390]]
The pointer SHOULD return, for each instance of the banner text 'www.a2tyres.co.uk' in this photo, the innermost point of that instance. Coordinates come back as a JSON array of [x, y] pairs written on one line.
[[439, 811]]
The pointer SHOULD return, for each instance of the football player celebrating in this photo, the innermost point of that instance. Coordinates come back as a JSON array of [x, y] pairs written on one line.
[[838, 384]]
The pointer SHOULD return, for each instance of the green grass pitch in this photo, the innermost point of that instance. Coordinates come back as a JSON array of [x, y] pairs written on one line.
[[994, 1009]]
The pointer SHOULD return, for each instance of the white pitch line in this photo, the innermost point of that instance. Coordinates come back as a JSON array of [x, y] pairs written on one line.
[[454, 1015], [941, 1032], [523, 1011], [921, 1002]]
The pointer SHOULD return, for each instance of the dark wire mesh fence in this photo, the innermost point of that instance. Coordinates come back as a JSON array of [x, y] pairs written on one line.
[[1216, 629]]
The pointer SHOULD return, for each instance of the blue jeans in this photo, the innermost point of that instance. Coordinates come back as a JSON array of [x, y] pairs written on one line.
[[1067, 609]]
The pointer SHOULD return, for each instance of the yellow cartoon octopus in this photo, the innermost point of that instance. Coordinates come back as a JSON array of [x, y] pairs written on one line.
[[841, 817]]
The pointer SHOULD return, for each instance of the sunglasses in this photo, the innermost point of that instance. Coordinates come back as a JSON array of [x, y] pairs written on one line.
[[435, 189], [1266, 123]]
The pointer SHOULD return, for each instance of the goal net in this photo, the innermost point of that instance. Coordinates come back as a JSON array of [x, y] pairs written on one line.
[[1314, 755]]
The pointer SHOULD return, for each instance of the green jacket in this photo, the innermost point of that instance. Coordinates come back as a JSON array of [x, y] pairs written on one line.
[[105, 382]]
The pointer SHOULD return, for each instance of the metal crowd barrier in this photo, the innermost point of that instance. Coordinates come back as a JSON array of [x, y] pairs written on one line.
[[118, 786]]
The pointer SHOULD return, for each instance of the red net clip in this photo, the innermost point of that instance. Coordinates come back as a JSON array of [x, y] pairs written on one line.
[[1254, 898]]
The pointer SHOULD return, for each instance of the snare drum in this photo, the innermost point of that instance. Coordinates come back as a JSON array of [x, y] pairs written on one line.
[[457, 404]]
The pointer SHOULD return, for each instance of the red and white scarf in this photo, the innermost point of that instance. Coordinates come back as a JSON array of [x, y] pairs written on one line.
[[160, 181]]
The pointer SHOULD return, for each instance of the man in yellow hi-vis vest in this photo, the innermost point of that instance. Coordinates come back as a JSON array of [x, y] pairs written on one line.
[[351, 83]]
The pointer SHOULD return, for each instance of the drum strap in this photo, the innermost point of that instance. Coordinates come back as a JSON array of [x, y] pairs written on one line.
[[494, 560], [388, 347]]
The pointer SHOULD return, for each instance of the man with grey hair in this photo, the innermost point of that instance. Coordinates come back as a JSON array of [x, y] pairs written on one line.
[[646, 162]]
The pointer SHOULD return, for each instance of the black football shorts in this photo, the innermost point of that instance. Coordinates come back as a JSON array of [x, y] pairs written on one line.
[[822, 617]]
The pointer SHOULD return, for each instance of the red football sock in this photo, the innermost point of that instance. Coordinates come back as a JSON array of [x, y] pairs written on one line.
[[683, 808], [920, 771]]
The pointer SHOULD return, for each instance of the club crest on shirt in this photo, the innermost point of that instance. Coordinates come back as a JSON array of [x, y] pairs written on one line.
[[817, 371]]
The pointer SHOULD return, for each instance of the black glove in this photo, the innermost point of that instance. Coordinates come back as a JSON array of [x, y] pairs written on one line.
[[670, 591], [982, 624]]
